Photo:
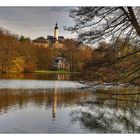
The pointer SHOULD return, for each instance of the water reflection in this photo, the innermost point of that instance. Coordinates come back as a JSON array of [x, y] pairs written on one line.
[[51, 98], [40, 76], [113, 111], [38, 111], [54, 105], [63, 110]]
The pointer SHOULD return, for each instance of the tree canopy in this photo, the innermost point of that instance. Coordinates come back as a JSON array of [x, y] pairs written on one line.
[[99, 23]]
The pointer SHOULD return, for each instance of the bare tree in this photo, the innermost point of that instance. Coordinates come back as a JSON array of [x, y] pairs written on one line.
[[95, 24], [98, 23]]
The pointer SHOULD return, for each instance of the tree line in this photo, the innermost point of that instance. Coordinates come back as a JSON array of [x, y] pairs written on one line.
[[116, 32], [19, 54], [106, 64]]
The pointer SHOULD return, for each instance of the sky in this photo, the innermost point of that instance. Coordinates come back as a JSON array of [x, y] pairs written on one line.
[[34, 22]]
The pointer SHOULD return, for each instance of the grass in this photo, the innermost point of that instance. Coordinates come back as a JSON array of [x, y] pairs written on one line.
[[57, 71]]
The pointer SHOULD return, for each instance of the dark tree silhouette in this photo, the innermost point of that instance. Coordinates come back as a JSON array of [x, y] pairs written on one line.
[[97, 23]]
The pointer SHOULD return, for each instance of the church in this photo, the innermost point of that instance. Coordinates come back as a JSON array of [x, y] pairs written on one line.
[[55, 41]]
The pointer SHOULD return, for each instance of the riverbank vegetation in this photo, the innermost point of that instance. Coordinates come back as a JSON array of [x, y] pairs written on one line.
[[56, 72], [116, 30], [19, 54]]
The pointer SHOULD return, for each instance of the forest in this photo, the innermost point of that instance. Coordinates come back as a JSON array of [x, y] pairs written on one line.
[[116, 33], [19, 54]]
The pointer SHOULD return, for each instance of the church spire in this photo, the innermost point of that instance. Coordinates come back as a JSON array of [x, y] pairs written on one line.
[[56, 31], [56, 27]]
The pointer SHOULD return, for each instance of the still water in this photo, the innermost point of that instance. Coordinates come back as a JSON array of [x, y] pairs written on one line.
[[59, 103]]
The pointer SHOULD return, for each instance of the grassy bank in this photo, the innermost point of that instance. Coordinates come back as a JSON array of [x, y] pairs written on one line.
[[57, 72]]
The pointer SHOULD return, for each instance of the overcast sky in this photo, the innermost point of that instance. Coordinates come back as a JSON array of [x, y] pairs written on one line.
[[36, 21]]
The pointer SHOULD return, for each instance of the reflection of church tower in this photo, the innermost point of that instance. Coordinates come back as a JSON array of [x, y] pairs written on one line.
[[54, 105], [56, 31]]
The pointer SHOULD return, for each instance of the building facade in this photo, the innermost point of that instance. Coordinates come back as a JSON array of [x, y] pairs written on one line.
[[60, 63], [55, 41]]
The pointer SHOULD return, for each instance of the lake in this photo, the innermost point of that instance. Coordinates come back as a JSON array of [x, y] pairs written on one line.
[[60, 103]]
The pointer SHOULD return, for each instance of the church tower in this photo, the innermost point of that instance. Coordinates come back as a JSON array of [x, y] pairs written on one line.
[[56, 31]]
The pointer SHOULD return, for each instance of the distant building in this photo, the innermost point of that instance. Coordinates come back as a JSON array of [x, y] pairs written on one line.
[[55, 41], [60, 63], [41, 41]]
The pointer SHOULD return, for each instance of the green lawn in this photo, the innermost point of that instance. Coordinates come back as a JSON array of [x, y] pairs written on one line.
[[57, 71]]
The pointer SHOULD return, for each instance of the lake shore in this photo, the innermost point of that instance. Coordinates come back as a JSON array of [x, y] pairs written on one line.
[[57, 72]]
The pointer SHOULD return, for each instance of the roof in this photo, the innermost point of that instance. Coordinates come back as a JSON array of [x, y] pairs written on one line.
[[61, 37], [40, 40], [59, 58], [56, 60], [51, 38]]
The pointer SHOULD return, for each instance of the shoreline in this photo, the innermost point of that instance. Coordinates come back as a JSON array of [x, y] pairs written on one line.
[[55, 72], [44, 72]]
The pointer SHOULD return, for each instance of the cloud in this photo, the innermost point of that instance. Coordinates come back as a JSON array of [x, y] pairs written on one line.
[[35, 21]]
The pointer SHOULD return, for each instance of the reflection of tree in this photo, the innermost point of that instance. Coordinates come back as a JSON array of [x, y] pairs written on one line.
[[103, 122], [42, 76], [11, 75], [22, 98], [109, 113]]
